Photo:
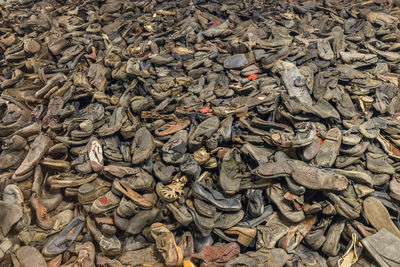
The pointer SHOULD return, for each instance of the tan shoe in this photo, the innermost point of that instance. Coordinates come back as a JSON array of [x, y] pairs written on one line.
[[378, 216], [172, 127], [166, 245]]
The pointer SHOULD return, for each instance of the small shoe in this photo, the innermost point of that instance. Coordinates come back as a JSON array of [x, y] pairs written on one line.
[[268, 61], [105, 203], [174, 149], [304, 174], [68, 179], [43, 219], [203, 131], [166, 245], [378, 163], [86, 255], [95, 153], [276, 194], [180, 212], [329, 149], [187, 245], [377, 246], [110, 246], [163, 172], [142, 219], [255, 201], [315, 238], [142, 145], [202, 222], [127, 208], [141, 181], [331, 245], [268, 210], [204, 208], [296, 233], [172, 191], [229, 179]]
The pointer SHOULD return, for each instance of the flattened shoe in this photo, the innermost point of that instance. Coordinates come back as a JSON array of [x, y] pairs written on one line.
[[216, 198], [64, 239], [69, 179], [37, 150], [329, 148], [229, 219], [142, 145], [378, 216], [142, 219], [331, 245], [304, 174], [378, 163]]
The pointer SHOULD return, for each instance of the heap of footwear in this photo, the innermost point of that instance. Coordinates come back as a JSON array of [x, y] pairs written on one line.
[[199, 133]]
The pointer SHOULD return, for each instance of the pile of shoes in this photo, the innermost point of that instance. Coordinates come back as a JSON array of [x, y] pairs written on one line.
[[199, 133]]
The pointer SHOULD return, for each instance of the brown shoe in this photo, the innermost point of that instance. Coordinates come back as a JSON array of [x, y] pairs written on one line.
[[245, 235], [137, 198], [43, 219], [296, 233], [217, 257], [86, 255], [172, 127], [55, 262], [187, 245]]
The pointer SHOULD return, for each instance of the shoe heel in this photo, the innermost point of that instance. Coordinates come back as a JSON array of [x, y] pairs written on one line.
[[245, 240]]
